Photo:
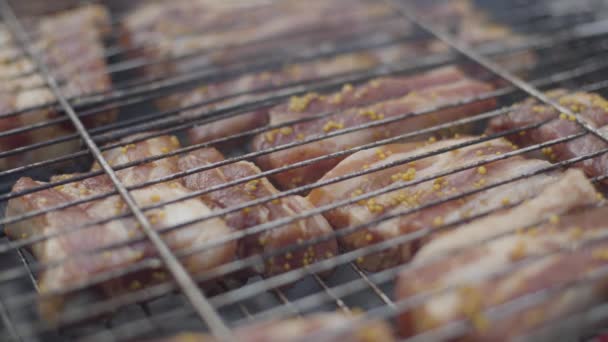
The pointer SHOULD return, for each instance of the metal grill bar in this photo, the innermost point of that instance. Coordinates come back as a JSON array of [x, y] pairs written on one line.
[[339, 303], [200, 303], [142, 62], [289, 276], [538, 13]]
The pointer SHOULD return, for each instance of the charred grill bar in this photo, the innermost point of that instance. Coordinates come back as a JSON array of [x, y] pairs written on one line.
[[567, 45]]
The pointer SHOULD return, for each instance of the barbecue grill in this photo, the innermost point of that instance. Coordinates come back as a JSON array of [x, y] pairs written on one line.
[[569, 43]]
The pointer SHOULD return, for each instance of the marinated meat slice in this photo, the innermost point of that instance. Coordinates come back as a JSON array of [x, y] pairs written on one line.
[[258, 118], [297, 329], [592, 107], [184, 27], [181, 28], [74, 269], [431, 191], [466, 23], [269, 240], [563, 249], [187, 26], [420, 93], [24, 88]]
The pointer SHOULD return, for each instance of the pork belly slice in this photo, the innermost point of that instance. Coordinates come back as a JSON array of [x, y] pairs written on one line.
[[248, 121], [268, 240], [412, 197], [80, 269], [478, 274], [592, 107], [297, 329], [167, 31], [25, 88], [441, 87]]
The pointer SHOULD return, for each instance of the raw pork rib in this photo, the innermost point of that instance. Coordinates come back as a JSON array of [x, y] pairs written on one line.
[[186, 29], [397, 96], [80, 269], [430, 191], [477, 275], [185, 34], [296, 329], [269, 240], [593, 108], [76, 36]]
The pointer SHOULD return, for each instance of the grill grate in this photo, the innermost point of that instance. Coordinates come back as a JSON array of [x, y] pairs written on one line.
[[156, 308]]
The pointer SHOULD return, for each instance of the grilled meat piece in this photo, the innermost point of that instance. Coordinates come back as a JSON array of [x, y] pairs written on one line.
[[247, 121], [593, 108], [198, 22], [394, 96], [202, 32], [212, 31], [414, 196], [75, 270], [296, 329], [562, 249], [60, 37], [269, 240]]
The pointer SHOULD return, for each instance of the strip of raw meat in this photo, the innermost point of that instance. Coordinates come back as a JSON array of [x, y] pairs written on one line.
[[258, 118], [181, 28], [76, 270], [427, 192], [25, 88], [154, 22], [593, 108], [478, 279], [446, 86], [269, 240]]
